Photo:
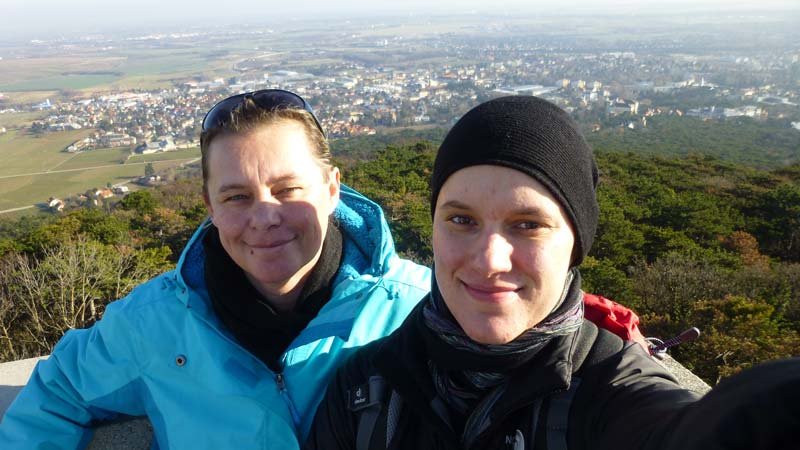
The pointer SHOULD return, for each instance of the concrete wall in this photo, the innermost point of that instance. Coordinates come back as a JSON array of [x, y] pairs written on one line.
[[126, 434], [136, 433]]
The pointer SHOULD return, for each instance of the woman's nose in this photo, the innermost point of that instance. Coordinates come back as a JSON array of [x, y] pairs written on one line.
[[494, 254], [265, 213]]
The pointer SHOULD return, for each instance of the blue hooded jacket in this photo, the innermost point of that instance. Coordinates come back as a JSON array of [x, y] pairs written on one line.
[[161, 352]]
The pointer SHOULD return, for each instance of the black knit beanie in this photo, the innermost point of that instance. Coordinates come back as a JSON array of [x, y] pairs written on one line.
[[537, 138]]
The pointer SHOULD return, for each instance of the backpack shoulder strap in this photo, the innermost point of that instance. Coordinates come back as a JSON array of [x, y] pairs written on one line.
[[593, 346], [558, 416], [393, 415], [368, 401]]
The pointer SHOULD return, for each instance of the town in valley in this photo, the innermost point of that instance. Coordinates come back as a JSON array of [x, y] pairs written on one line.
[[372, 75]]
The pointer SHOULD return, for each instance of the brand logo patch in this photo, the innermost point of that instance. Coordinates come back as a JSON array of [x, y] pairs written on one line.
[[358, 396]]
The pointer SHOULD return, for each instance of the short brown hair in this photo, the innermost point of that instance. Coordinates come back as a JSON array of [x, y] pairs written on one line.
[[249, 116]]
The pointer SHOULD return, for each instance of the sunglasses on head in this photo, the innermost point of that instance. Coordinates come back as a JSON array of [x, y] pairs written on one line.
[[267, 99]]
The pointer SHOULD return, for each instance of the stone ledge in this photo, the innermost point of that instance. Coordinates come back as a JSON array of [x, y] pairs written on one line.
[[137, 434], [126, 434], [684, 376]]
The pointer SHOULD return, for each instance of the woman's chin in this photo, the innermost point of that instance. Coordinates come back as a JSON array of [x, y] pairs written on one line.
[[489, 335]]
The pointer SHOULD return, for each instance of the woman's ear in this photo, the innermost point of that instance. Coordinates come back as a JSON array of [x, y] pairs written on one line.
[[334, 187], [207, 202]]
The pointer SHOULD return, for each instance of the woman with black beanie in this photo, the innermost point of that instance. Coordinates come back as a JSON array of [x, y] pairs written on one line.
[[499, 355]]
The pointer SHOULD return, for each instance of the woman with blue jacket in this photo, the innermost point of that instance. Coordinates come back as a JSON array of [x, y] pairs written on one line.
[[234, 348]]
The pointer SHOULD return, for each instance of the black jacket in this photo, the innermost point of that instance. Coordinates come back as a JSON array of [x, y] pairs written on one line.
[[623, 398]]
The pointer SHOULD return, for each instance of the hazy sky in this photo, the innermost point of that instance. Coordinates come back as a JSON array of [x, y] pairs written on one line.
[[24, 18]]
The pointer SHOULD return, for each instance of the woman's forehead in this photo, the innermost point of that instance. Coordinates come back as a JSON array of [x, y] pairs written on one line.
[[492, 180], [498, 187], [275, 150]]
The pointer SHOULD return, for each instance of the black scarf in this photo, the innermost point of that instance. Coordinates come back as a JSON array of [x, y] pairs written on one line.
[[248, 315], [464, 371]]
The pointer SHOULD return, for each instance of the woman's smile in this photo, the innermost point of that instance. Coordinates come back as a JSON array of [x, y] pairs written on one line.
[[271, 244], [490, 292]]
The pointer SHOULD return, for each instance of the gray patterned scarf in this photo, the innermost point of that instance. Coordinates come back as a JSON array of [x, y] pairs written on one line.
[[462, 387]]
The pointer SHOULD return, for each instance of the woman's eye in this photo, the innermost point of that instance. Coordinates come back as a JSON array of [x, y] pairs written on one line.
[[236, 197], [528, 225], [460, 220], [289, 190]]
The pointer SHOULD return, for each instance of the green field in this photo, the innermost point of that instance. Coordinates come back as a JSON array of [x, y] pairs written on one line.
[[165, 64], [95, 158], [28, 190], [137, 68], [22, 119], [61, 82], [32, 169], [21, 153]]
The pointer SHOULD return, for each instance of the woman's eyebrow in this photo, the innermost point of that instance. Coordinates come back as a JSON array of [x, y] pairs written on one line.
[[281, 179], [529, 211], [230, 187], [454, 204], [524, 211]]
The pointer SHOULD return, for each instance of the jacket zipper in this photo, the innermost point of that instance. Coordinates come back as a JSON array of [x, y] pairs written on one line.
[[279, 380], [279, 377]]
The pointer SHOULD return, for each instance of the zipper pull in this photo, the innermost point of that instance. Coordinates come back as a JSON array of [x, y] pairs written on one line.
[[280, 382]]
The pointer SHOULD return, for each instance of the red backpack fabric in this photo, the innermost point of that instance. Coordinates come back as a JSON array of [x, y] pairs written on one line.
[[612, 316]]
